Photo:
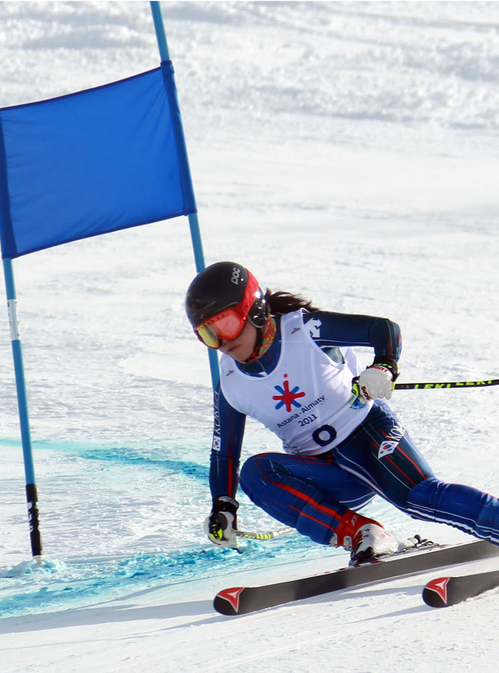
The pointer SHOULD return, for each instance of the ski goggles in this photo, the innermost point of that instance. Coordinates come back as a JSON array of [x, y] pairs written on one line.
[[227, 324]]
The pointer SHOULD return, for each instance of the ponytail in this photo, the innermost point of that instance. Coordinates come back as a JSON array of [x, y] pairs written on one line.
[[280, 303]]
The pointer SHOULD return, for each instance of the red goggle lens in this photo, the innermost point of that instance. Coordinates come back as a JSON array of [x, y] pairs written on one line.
[[227, 324]]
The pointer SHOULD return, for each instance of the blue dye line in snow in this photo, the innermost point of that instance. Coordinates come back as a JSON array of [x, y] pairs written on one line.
[[140, 456], [132, 457], [79, 582], [83, 581]]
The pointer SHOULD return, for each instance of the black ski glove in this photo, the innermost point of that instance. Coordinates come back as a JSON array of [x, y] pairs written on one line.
[[221, 525]]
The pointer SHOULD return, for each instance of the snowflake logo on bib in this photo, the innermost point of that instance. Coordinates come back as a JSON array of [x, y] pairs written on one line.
[[287, 397]]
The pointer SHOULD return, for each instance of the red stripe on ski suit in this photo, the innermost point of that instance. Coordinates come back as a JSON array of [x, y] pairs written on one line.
[[310, 501]]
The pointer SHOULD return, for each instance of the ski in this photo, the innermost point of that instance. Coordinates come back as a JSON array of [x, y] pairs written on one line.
[[445, 591], [243, 600]]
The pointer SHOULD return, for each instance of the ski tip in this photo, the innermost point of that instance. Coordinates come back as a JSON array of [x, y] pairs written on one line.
[[226, 602], [435, 593]]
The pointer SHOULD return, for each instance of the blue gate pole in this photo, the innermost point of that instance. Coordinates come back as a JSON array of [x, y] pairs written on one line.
[[29, 469], [193, 218]]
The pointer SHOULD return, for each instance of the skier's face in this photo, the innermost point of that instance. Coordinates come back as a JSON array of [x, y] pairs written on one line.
[[242, 347]]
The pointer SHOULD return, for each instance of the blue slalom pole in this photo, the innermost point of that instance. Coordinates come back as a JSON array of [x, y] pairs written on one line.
[[159, 26], [193, 218], [29, 469]]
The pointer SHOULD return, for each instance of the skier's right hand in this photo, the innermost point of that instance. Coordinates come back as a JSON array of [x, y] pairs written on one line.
[[221, 525]]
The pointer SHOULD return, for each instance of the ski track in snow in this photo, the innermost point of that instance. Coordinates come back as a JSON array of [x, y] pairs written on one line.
[[344, 150]]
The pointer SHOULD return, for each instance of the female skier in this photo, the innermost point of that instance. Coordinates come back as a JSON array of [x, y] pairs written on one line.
[[291, 366]]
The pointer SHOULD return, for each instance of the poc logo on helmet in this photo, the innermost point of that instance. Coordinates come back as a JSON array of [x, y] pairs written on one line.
[[235, 275]]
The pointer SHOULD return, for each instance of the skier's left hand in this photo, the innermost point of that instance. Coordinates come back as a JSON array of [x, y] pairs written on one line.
[[376, 383]]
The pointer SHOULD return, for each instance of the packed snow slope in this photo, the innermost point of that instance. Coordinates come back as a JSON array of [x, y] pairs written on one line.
[[345, 150]]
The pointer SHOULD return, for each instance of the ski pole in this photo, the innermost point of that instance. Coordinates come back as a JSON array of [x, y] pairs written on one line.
[[446, 384], [268, 535]]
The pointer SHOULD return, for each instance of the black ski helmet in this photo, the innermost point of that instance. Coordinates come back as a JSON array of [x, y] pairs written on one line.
[[223, 285]]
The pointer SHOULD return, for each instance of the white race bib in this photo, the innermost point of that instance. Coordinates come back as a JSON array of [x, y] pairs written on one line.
[[307, 400]]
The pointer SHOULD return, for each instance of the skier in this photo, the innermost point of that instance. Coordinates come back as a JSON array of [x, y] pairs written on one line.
[[291, 366]]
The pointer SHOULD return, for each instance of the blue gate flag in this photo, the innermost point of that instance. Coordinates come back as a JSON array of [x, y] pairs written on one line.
[[92, 162]]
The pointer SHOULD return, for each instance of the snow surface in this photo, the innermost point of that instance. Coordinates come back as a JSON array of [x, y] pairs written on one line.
[[345, 150]]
